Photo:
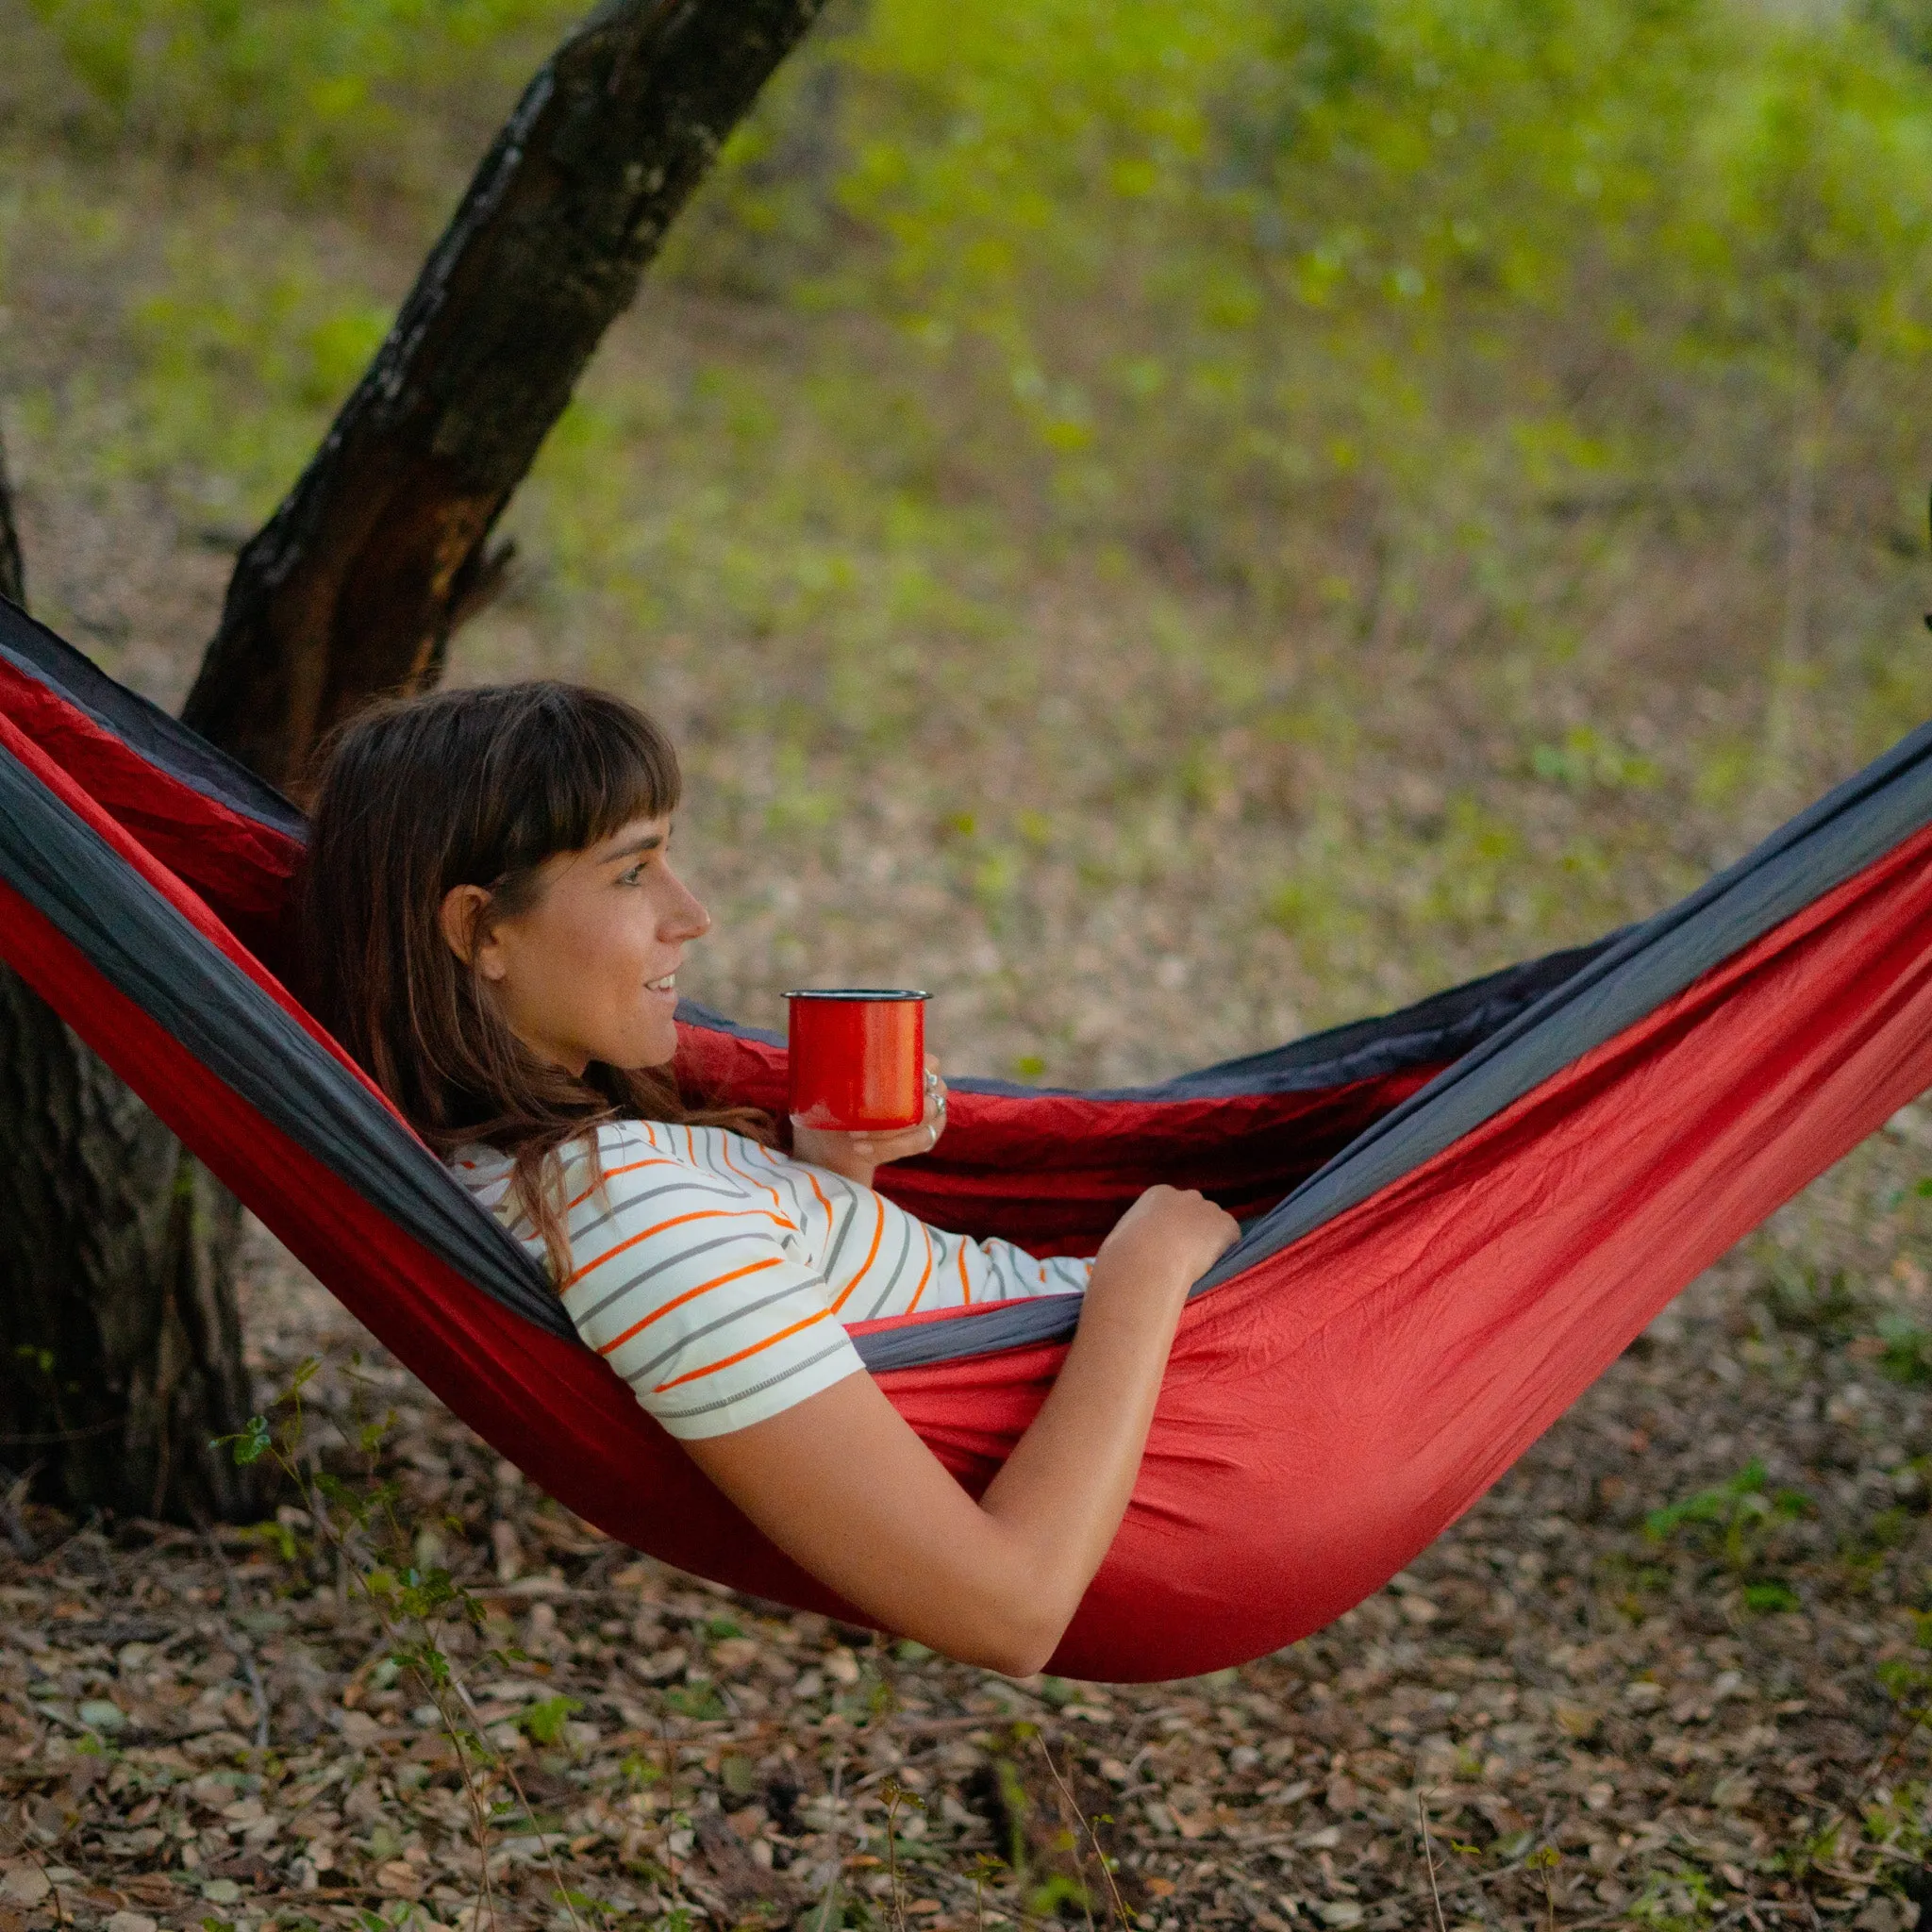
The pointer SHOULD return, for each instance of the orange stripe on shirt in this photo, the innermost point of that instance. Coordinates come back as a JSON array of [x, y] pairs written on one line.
[[965, 1285], [725, 1154], [927, 1276], [691, 1294], [675, 1220], [742, 1355], [610, 1173], [879, 1234], [820, 1193]]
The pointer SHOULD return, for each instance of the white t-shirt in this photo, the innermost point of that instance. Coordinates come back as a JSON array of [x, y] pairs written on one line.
[[715, 1275]]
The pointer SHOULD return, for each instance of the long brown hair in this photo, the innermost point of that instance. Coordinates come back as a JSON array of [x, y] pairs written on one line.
[[420, 795]]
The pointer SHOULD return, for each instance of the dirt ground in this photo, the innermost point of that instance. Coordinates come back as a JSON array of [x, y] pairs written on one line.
[[1574, 1711]]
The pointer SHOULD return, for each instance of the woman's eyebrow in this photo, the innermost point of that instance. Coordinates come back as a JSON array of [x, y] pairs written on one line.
[[649, 843]]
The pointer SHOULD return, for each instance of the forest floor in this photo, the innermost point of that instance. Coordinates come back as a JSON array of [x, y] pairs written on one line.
[[1668, 1672]]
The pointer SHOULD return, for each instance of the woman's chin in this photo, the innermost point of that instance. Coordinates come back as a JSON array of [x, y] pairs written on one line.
[[656, 1050]]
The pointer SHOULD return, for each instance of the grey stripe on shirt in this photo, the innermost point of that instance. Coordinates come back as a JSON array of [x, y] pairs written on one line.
[[892, 1274], [685, 1415], [683, 1186], [830, 1264], [704, 1247], [723, 1320]]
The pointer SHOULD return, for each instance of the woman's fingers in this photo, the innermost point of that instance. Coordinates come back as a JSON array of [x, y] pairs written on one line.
[[855, 1155], [912, 1142], [1177, 1221]]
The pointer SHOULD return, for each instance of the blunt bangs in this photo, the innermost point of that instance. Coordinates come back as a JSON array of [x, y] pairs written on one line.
[[560, 769]]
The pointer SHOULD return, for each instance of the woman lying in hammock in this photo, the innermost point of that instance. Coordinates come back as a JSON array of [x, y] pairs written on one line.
[[494, 929]]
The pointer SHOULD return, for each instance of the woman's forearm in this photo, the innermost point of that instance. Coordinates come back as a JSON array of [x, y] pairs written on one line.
[[1066, 1486]]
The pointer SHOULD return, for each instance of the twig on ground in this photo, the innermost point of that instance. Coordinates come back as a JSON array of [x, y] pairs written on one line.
[[1422, 1812], [243, 1647], [833, 1883], [1120, 1909]]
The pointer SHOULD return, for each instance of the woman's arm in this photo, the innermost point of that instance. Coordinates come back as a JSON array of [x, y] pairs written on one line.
[[843, 1485]]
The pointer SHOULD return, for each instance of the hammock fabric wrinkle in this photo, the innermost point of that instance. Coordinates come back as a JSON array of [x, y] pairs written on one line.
[[1456, 1215]]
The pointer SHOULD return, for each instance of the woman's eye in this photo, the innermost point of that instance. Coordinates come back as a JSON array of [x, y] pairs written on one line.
[[631, 874]]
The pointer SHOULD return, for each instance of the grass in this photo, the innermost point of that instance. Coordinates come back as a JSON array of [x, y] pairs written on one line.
[[1125, 793]]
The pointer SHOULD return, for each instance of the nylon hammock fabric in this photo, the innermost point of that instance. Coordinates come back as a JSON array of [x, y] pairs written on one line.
[[1457, 1215]]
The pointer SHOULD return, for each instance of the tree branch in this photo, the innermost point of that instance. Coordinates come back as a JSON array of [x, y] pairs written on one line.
[[356, 583]]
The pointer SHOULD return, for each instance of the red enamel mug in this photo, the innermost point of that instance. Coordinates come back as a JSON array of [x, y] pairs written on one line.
[[857, 1058]]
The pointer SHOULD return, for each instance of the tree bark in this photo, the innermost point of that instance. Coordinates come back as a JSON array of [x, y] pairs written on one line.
[[120, 1344], [356, 584], [12, 567]]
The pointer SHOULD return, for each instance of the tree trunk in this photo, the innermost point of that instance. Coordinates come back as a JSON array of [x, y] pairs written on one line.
[[123, 1348], [120, 1350], [356, 584], [120, 1346], [12, 570]]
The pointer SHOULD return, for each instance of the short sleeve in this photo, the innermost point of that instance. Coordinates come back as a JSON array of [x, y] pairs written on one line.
[[696, 1291]]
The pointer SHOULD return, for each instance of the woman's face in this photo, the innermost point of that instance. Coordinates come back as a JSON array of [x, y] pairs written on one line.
[[588, 972]]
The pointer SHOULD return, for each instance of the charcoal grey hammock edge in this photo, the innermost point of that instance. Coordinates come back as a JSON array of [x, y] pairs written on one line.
[[165, 743]]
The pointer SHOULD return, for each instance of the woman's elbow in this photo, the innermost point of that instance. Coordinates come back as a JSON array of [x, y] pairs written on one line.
[[1008, 1652], [1016, 1637], [1022, 1659]]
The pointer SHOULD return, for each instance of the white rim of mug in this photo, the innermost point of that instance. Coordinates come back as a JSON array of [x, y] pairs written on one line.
[[856, 992]]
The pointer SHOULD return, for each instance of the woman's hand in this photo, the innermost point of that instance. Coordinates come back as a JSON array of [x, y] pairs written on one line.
[[858, 1156], [1172, 1233]]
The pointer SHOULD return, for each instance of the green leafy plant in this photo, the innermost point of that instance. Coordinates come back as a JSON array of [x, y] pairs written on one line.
[[543, 1722], [1679, 1899], [1586, 759], [1733, 1522], [1908, 1353], [304, 91], [1811, 1301]]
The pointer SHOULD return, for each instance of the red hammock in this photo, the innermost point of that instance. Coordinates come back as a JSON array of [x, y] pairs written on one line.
[[1465, 1210]]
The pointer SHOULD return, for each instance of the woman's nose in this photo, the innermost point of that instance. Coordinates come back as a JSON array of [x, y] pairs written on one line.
[[686, 916]]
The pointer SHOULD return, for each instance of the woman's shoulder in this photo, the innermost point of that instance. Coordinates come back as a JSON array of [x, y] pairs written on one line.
[[695, 1145], [617, 1147], [620, 1146], [483, 1170]]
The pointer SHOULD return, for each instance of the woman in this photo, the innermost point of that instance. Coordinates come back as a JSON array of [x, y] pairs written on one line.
[[494, 929]]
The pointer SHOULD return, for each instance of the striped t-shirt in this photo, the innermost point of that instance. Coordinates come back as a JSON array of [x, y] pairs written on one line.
[[715, 1275]]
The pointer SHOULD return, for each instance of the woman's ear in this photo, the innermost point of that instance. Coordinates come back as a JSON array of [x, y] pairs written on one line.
[[460, 916]]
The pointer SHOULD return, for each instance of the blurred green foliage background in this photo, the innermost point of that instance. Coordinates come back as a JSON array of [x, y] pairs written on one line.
[[1172, 522]]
